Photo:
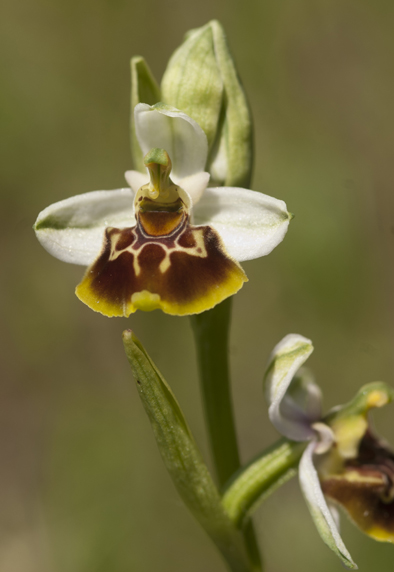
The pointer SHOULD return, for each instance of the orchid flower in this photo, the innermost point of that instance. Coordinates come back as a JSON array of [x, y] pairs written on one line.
[[343, 461], [168, 241]]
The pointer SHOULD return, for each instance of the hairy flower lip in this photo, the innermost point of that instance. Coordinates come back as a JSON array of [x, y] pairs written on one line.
[[365, 488]]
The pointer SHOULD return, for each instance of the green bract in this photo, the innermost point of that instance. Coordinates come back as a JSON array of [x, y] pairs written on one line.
[[201, 80]]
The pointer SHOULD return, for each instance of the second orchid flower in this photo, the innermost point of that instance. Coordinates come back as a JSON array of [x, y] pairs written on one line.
[[344, 461]]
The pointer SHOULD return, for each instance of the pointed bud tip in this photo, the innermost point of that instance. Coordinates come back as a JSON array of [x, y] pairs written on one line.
[[127, 335], [136, 60], [215, 23]]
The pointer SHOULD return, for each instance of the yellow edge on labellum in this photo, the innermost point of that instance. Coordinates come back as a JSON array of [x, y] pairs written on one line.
[[186, 272], [380, 534], [147, 301], [363, 486]]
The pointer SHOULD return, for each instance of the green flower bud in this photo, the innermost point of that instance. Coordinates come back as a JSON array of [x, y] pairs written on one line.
[[201, 80]]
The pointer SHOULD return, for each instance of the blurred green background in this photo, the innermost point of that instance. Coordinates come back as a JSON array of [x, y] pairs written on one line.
[[82, 485]]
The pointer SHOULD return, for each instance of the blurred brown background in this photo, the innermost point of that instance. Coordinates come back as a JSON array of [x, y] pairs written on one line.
[[82, 486]]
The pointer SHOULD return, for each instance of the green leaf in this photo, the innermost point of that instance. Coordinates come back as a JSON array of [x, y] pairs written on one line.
[[182, 456]]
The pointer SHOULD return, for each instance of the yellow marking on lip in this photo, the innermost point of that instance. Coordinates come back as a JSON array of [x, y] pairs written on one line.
[[136, 264], [145, 300], [187, 276], [348, 434], [165, 263], [357, 477], [200, 245]]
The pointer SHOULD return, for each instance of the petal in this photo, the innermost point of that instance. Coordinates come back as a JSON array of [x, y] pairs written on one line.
[[302, 401], [195, 185], [325, 437], [335, 515], [285, 360], [318, 508], [184, 273], [365, 488], [170, 129], [73, 230], [135, 179], [251, 224]]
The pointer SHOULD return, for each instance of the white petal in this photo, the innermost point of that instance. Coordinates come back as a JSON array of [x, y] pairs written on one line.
[[335, 514], [135, 179], [170, 129], [302, 401], [195, 185], [324, 439], [321, 514], [250, 224], [285, 360], [73, 230]]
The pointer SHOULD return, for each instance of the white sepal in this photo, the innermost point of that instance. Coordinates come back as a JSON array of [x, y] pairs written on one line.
[[172, 130], [136, 180], [325, 437], [73, 230], [250, 224], [320, 512], [195, 185], [285, 360], [302, 401], [335, 515]]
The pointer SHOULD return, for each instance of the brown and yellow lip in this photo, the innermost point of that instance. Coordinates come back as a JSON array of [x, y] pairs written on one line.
[[365, 488], [162, 262]]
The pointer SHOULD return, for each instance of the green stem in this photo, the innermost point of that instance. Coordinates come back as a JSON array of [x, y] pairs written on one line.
[[251, 484], [211, 332]]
